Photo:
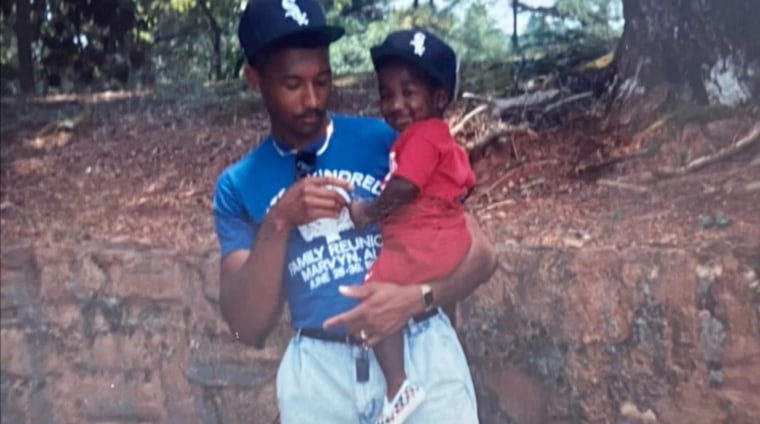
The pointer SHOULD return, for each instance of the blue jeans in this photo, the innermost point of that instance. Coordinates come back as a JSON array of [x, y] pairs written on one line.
[[316, 381]]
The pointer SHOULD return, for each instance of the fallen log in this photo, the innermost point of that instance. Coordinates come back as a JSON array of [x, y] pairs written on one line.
[[503, 104], [567, 100]]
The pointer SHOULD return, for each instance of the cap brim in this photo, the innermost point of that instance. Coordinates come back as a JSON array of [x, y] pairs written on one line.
[[326, 34], [334, 33], [382, 52]]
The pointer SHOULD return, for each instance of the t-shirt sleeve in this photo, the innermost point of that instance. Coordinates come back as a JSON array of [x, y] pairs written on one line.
[[234, 229], [417, 159]]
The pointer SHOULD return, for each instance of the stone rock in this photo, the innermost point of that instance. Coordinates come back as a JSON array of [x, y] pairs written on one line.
[[224, 374], [13, 352], [112, 334], [631, 411], [130, 397], [19, 280], [152, 277], [258, 406], [524, 397], [608, 335], [210, 275]]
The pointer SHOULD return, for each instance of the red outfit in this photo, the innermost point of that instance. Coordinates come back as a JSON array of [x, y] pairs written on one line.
[[428, 237]]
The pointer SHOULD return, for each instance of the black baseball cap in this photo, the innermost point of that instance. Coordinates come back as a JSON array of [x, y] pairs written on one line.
[[423, 49], [265, 22]]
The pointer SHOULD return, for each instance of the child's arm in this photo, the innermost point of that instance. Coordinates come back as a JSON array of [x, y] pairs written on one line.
[[397, 193]]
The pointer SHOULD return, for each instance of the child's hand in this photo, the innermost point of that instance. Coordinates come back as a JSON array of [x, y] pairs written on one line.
[[358, 214]]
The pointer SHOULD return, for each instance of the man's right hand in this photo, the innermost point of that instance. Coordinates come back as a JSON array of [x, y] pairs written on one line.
[[251, 295], [309, 199]]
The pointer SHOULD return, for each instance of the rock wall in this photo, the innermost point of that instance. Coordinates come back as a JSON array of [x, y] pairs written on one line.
[[599, 335], [105, 334], [593, 335]]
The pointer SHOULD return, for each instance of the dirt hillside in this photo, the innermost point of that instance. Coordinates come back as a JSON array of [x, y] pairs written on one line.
[[627, 290]]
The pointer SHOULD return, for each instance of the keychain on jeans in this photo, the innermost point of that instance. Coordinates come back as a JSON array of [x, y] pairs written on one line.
[[362, 361]]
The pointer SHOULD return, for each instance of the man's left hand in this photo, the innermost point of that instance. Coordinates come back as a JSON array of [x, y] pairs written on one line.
[[385, 309], [357, 209]]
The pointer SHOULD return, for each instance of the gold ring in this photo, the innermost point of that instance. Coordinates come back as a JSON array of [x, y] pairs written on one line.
[[363, 335]]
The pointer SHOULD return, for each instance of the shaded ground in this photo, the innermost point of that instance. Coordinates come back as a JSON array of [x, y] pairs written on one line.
[[140, 168]]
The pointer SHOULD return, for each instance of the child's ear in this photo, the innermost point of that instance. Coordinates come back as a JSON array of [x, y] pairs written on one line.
[[441, 99]]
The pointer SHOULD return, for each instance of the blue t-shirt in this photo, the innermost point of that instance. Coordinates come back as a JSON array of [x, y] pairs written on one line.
[[326, 253]]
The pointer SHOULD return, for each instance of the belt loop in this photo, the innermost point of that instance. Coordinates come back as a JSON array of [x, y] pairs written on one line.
[[298, 335], [414, 326], [411, 325], [411, 322]]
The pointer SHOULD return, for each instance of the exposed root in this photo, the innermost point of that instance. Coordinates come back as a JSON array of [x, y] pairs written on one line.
[[752, 137]]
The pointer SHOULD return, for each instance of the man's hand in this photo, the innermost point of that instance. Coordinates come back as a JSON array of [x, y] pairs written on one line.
[[309, 199], [385, 309], [358, 210]]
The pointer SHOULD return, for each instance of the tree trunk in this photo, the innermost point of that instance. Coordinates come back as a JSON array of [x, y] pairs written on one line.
[[682, 52], [216, 40], [515, 11], [24, 45]]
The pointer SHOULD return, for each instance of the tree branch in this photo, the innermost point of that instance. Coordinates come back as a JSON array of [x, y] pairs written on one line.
[[551, 11], [569, 99], [501, 105], [752, 137], [216, 39], [460, 125]]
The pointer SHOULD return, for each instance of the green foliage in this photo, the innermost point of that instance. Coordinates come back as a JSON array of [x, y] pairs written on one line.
[[477, 37], [351, 54], [593, 16], [122, 43], [105, 44], [574, 21], [8, 68], [183, 38]]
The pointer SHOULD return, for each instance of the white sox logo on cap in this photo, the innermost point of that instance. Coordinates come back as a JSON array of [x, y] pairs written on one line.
[[418, 42], [294, 12]]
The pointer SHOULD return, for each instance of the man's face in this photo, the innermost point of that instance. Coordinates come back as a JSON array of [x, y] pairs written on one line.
[[295, 85], [406, 96]]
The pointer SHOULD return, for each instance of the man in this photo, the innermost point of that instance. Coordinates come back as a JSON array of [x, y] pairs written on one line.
[[285, 233]]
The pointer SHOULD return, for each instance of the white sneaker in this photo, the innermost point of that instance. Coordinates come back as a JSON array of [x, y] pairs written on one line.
[[408, 398]]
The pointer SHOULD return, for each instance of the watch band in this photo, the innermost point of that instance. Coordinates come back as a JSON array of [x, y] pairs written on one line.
[[428, 299]]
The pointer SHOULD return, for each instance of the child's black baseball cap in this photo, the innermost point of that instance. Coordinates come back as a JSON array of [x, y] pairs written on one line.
[[421, 48], [265, 22]]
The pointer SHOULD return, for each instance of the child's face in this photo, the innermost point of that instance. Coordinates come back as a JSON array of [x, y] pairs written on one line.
[[406, 96]]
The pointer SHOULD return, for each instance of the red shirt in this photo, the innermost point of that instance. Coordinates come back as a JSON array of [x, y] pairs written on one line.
[[428, 237]]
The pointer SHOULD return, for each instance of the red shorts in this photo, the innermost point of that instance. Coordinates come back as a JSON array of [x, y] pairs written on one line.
[[420, 250]]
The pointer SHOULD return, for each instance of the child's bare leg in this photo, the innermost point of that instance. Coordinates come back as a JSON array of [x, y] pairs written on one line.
[[451, 311], [390, 356]]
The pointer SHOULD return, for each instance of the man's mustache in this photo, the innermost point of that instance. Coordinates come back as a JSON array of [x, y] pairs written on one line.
[[313, 113]]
